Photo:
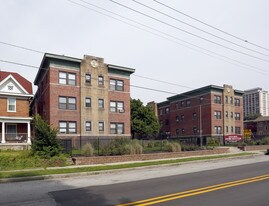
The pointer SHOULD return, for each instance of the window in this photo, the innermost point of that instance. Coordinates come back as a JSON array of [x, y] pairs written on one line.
[[166, 110], [116, 128], [227, 129], [88, 102], [116, 85], [226, 99], [177, 118], [232, 129], [227, 114], [217, 115], [67, 78], [217, 129], [67, 103], [116, 106], [167, 122], [232, 115], [176, 104], [188, 102], [182, 117], [217, 99], [11, 105], [182, 131], [11, 131], [100, 80], [62, 77], [231, 100], [182, 104], [100, 103], [101, 126], [237, 116], [237, 130], [88, 78], [88, 126], [194, 129], [237, 102], [194, 115], [66, 127], [177, 132], [161, 112]]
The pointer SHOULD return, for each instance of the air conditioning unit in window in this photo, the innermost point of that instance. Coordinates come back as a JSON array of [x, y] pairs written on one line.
[[121, 110]]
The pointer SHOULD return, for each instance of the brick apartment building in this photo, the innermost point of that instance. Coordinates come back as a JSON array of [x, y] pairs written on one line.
[[210, 111], [15, 95], [84, 98]]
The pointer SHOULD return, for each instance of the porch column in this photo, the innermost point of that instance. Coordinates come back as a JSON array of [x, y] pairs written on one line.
[[3, 133], [28, 133]]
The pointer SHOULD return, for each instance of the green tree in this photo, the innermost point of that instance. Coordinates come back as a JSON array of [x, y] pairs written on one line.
[[143, 120], [252, 116], [45, 143]]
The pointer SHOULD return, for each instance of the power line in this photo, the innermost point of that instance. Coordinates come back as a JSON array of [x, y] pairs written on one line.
[[166, 34], [245, 66], [21, 47], [135, 86], [190, 33], [216, 36], [213, 27]]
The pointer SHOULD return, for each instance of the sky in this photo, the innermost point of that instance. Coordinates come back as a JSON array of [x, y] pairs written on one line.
[[174, 45]]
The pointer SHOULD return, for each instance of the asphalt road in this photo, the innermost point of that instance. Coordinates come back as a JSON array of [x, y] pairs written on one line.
[[111, 188], [240, 185]]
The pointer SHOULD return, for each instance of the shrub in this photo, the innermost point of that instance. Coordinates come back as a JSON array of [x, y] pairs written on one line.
[[173, 147], [87, 150], [138, 149], [265, 141], [212, 142], [190, 147]]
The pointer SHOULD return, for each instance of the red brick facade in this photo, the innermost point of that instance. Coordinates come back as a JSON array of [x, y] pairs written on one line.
[[210, 111], [53, 84]]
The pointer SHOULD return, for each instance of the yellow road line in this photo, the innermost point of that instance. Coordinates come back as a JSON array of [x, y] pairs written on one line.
[[197, 191]]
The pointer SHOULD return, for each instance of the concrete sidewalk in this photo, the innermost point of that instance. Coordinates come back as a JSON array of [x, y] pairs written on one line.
[[67, 175]]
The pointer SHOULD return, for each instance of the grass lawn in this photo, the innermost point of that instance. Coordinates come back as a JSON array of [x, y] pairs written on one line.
[[13, 174]]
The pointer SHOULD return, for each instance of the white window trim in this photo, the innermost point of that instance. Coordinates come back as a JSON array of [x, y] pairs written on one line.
[[8, 104]]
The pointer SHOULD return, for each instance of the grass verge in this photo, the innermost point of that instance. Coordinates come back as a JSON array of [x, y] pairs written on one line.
[[41, 172]]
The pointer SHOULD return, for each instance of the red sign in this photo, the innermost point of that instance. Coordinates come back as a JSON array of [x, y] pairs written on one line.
[[233, 138]]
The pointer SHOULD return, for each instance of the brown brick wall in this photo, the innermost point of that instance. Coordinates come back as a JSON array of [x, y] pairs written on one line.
[[22, 108], [142, 157], [125, 97]]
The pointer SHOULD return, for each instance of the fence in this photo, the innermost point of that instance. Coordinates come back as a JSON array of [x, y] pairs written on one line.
[[118, 146]]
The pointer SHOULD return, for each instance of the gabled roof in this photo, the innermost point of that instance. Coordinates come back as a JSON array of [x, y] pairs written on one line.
[[21, 80]]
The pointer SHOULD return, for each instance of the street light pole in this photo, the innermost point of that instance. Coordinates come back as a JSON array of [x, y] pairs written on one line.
[[200, 126], [200, 122]]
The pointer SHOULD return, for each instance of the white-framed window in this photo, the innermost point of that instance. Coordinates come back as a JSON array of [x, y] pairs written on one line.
[[100, 103], [88, 126], [116, 128], [100, 80], [68, 127], [116, 106], [67, 103], [67, 78], [11, 105], [88, 78], [101, 126], [88, 102], [217, 114], [116, 84], [218, 130]]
